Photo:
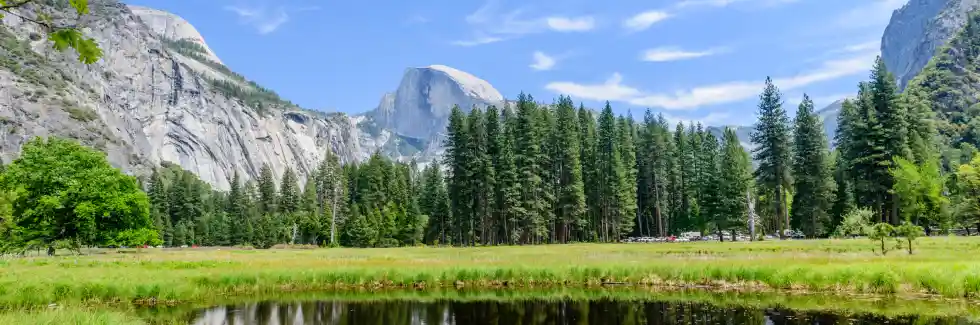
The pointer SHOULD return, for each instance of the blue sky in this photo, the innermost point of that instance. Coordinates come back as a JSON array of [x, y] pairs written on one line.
[[702, 60]]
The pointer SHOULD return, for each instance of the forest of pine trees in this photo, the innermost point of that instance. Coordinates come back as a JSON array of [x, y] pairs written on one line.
[[533, 173]]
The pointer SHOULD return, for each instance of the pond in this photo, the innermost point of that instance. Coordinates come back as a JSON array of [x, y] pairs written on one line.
[[534, 312]]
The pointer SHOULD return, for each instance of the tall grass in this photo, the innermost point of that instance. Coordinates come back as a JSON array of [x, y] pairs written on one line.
[[945, 267]]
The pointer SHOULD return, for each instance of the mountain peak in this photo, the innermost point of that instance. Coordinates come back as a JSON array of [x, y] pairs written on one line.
[[173, 27], [470, 84]]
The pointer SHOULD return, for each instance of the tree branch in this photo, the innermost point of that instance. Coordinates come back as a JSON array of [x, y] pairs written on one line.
[[39, 22]]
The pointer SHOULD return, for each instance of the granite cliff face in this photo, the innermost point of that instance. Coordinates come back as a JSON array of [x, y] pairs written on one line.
[[146, 103], [917, 30], [160, 94]]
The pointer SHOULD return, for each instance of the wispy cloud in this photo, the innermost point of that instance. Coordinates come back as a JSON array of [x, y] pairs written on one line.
[[873, 45], [573, 24], [265, 20], [489, 23], [644, 20], [867, 14], [612, 89], [542, 61], [481, 40], [707, 95], [712, 118], [665, 54]]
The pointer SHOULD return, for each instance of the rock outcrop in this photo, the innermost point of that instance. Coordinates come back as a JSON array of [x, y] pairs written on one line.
[[147, 102], [420, 107], [917, 30]]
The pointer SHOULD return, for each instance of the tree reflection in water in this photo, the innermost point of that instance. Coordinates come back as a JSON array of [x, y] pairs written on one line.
[[528, 313]]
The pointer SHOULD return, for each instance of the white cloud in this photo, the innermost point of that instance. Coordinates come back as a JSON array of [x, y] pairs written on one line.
[[728, 92], [866, 46], [263, 19], [543, 61], [664, 54], [490, 24], [612, 89], [479, 41], [712, 118], [868, 14], [645, 19], [574, 24]]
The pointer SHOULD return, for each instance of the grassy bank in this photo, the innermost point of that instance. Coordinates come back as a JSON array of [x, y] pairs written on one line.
[[941, 266]]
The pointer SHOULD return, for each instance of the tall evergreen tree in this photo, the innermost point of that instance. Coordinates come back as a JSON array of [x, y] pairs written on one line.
[[626, 135], [570, 201], [895, 141], [481, 178], [590, 173], [527, 148], [735, 174], [611, 176], [457, 161], [267, 190], [495, 151], [813, 178], [772, 151], [289, 195], [710, 206], [680, 198], [508, 185]]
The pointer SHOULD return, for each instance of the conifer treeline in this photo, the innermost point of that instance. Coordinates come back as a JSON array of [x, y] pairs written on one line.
[[530, 173], [558, 174]]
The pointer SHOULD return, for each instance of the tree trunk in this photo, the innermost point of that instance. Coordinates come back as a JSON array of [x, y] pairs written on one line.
[[779, 211], [910, 245]]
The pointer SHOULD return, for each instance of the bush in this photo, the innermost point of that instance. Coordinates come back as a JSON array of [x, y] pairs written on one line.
[[855, 223], [880, 232], [82, 114]]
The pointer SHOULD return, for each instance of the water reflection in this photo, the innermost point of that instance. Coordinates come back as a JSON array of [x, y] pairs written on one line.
[[528, 313]]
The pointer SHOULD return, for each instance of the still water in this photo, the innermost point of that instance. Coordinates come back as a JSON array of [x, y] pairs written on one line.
[[529, 313]]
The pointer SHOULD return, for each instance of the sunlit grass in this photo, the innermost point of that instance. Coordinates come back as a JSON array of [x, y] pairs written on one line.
[[946, 267]]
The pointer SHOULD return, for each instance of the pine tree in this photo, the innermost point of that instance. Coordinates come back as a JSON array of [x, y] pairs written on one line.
[[527, 148], [710, 187], [495, 150], [626, 134], [570, 200], [895, 141], [434, 202], [158, 206], [611, 176], [457, 162], [509, 185], [680, 198], [267, 190], [289, 195], [813, 179], [590, 174], [547, 133], [481, 175], [772, 151], [735, 175]]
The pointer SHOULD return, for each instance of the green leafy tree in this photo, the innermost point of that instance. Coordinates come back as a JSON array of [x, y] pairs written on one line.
[[62, 36], [457, 161], [611, 177], [968, 192], [772, 139], [880, 232], [289, 194], [909, 232], [137, 238], [530, 226], [65, 191], [855, 223], [919, 190]]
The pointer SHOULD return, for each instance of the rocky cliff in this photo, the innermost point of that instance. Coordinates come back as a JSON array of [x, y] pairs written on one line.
[[153, 99], [917, 30], [160, 94]]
